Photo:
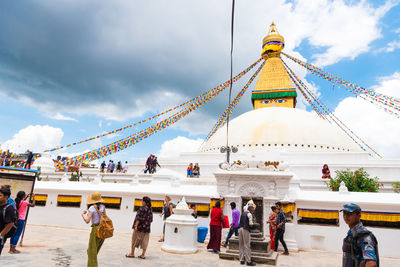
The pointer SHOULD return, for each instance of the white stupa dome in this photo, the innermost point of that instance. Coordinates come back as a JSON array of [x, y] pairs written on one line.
[[280, 128]]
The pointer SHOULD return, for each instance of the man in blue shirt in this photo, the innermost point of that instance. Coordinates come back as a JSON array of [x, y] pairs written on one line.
[[360, 247], [280, 228], [235, 223]]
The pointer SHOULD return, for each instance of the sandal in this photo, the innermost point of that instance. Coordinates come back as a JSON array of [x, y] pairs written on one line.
[[142, 257], [129, 256], [161, 240]]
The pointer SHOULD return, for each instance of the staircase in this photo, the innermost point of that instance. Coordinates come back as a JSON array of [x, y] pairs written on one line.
[[260, 249]]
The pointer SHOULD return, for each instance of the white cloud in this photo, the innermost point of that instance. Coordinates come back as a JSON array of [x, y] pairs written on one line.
[[172, 148], [379, 129], [59, 116], [35, 138], [392, 46]]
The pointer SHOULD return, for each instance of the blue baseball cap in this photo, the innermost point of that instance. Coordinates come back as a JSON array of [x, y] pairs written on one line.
[[351, 207]]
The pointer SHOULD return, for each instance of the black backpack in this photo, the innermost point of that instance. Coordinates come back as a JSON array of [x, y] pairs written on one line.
[[13, 229]]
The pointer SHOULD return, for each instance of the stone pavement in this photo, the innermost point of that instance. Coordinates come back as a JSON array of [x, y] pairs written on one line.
[[62, 247]]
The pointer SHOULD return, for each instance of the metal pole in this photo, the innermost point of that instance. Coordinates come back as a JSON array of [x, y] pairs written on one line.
[[230, 86]]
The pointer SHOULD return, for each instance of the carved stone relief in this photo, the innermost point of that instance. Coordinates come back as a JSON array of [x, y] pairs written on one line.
[[251, 189]]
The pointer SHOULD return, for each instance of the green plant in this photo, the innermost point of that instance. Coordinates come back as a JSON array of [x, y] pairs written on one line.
[[396, 187], [38, 174], [357, 181], [75, 175]]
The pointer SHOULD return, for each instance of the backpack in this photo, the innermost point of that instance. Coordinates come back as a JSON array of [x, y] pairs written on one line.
[[106, 228], [13, 229]]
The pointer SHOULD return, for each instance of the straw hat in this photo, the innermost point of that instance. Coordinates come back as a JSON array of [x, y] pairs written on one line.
[[94, 198]]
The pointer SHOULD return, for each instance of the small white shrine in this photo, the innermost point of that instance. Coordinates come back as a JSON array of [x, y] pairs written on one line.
[[181, 230]]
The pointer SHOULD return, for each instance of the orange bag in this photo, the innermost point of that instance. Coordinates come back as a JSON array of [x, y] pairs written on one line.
[[225, 224]]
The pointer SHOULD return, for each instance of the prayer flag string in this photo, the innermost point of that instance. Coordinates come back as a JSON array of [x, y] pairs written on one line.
[[237, 77], [326, 112], [222, 120], [143, 134], [389, 104]]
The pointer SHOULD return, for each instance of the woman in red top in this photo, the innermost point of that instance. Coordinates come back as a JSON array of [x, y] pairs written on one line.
[[217, 218]]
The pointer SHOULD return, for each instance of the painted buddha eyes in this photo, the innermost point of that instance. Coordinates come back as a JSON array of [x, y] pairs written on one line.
[[275, 100]]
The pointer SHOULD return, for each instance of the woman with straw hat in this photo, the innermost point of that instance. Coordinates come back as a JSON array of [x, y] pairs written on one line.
[[95, 243]]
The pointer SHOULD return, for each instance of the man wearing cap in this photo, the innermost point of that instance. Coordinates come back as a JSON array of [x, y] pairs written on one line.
[[246, 222], [360, 247]]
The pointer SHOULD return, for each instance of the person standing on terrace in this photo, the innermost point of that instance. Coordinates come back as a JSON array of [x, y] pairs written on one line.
[[360, 247], [326, 173]]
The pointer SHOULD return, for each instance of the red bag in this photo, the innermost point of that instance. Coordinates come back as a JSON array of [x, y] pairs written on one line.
[[225, 224]]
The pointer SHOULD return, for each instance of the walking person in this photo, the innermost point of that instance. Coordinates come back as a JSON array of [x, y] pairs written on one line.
[[22, 205], [217, 219], [93, 215], [102, 166], [235, 223], [166, 212], [280, 228], [141, 228], [154, 164], [119, 167], [245, 224], [28, 162], [148, 164], [8, 216], [109, 166], [360, 247], [272, 226], [125, 169]]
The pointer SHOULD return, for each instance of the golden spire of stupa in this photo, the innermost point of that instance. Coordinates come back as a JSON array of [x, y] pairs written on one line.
[[273, 88]]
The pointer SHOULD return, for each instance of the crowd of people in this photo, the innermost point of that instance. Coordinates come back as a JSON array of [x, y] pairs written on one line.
[[111, 167], [12, 216], [151, 164], [360, 246], [193, 171]]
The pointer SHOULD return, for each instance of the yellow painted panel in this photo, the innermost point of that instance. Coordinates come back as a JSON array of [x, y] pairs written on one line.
[[203, 207], [40, 197], [318, 214], [381, 217], [69, 198], [289, 207], [112, 200]]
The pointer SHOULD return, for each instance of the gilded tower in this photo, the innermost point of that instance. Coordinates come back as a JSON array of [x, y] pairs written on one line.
[[273, 88]]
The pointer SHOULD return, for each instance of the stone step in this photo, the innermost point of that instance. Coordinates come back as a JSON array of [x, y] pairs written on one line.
[[255, 245], [264, 258]]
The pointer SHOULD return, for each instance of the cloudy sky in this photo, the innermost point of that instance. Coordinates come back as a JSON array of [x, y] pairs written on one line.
[[75, 69]]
